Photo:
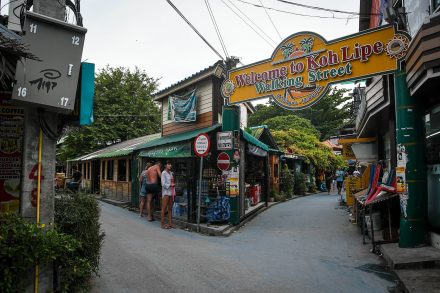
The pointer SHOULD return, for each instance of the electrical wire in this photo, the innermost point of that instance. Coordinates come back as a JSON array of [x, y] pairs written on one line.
[[12, 1], [321, 8], [271, 45], [216, 28], [270, 18], [195, 30], [300, 14], [244, 14]]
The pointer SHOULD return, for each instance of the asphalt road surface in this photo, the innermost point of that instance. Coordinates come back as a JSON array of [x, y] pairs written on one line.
[[304, 245]]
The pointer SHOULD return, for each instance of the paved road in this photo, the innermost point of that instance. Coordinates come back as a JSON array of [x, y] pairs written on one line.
[[304, 245]]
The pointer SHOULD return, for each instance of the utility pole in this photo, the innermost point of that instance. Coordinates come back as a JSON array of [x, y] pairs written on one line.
[[42, 280], [410, 142]]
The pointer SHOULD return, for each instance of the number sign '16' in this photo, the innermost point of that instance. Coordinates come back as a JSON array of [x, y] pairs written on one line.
[[304, 65]]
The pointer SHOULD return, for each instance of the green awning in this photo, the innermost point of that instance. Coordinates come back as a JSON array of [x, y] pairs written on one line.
[[250, 139], [176, 137], [182, 150]]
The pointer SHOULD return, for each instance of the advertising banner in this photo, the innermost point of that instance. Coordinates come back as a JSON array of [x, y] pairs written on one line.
[[11, 145]]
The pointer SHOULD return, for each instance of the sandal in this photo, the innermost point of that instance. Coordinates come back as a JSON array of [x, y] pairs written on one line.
[[166, 227]]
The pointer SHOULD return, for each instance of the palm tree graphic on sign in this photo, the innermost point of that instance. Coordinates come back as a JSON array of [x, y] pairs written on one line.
[[287, 50], [306, 44]]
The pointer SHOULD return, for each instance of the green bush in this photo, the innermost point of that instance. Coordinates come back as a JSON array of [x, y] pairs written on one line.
[[280, 196], [300, 183], [24, 244], [288, 181], [77, 214]]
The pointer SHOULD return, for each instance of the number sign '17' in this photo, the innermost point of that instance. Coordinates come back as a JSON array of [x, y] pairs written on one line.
[[302, 68]]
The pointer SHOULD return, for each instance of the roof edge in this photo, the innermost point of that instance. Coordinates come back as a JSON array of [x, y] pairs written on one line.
[[205, 73]]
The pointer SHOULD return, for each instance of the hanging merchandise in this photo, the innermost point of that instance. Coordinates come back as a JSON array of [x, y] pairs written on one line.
[[183, 108]]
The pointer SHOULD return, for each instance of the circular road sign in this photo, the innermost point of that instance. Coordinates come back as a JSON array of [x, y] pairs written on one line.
[[223, 161], [202, 144]]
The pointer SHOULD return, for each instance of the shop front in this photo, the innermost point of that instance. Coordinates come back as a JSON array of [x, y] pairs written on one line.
[[185, 165]]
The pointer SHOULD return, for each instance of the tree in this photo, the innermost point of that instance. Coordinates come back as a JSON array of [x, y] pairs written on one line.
[[298, 135], [123, 109], [304, 143], [291, 122], [328, 115]]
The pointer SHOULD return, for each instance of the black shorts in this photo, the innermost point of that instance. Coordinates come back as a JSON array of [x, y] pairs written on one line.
[[339, 184], [152, 188]]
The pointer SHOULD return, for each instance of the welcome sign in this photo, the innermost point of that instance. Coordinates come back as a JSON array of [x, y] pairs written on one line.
[[304, 66]]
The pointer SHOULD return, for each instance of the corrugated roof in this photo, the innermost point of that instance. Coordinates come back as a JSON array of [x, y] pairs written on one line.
[[7, 33], [177, 137], [159, 94], [119, 149]]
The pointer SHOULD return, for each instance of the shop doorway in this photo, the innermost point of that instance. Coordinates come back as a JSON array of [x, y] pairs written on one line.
[[256, 174]]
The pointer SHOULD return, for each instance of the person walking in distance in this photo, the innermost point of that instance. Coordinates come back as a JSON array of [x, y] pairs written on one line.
[[328, 180], [168, 192], [152, 187], [143, 190], [340, 174]]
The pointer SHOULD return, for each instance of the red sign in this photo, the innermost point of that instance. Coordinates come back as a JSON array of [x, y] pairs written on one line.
[[223, 161], [202, 144]]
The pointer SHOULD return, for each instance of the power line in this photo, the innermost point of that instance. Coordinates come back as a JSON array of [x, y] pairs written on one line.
[[216, 28], [270, 18], [261, 30], [271, 45], [320, 8], [298, 14], [195, 30], [12, 1]]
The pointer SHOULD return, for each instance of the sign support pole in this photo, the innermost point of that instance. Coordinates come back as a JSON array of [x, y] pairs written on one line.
[[200, 194], [202, 145]]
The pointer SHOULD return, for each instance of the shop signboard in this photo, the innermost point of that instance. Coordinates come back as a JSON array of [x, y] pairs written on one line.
[[223, 161], [304, 66], [224, 140], [169, 151], [202, 144]]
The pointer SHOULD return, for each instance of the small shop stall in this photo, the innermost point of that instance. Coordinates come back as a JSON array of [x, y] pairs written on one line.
[[375, 206]]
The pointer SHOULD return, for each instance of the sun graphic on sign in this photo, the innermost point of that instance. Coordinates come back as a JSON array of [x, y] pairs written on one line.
[[397, 46]]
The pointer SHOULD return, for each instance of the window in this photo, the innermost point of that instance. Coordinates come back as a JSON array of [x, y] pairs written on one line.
[[122, 170], [110, 167], [129, 170], [275, 170], [436, 5]]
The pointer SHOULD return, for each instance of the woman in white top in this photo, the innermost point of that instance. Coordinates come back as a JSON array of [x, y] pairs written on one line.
[[168, 192]]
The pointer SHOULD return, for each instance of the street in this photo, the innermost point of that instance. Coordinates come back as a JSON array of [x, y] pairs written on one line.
[[304, 245]]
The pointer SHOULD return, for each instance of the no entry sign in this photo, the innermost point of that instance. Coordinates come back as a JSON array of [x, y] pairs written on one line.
[[202, 144], [223, 161]]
